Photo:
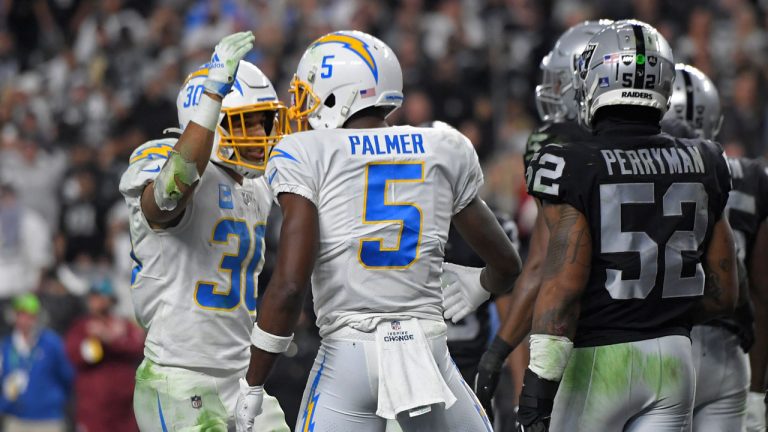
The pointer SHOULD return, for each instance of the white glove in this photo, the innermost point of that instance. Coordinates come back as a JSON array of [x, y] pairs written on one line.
[[755, 412], [225, 60], [248, 406], [462, 292]]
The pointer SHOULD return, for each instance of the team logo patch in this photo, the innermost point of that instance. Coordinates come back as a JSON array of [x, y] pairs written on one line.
[[248, 198], [225, 197], [652, 60], [586, 57], [197, 402]]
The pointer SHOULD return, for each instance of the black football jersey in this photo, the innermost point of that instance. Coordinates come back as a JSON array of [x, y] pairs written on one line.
[[553, 133], [747, 203], [651, 201]]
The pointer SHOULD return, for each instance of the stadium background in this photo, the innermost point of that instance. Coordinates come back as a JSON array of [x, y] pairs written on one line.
[[84, 82]]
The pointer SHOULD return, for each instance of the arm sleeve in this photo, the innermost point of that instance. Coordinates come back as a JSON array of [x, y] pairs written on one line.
[[290, 170], [470, 175]]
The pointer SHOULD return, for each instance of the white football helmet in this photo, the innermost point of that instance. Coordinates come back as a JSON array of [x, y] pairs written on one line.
[[251, 93], [341, 74], [555, 96], [695, 100]]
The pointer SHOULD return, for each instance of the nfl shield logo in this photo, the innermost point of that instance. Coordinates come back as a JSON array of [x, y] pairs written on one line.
[[395, 325], [197, 402]]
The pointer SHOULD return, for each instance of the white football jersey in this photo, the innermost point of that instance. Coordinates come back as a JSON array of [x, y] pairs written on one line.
[[385, 199], [194, 286]]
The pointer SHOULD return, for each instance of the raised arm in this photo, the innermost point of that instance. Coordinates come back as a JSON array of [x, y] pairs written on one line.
[[564, 276], [164, 200], [281, 305]]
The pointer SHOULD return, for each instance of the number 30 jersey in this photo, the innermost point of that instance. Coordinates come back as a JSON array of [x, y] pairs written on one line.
[[651, 201], [385, 198], [194, 285]]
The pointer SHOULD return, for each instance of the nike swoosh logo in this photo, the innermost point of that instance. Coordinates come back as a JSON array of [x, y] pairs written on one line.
[[154, 170]]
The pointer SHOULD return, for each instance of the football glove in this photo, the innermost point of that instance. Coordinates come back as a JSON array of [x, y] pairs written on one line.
[[248, 406], [487, 377], [536, 401], [225, 60], [462, 291]]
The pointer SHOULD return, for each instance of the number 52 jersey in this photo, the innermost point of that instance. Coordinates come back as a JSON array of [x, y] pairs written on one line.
[[194, 285], [385, 198], [651, 202]]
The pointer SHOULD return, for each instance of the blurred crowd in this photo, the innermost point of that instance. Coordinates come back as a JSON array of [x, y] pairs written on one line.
[[84, 82]]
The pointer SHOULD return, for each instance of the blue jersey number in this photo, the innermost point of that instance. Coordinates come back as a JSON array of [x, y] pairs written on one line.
[[377, 209], [326, 67], [193, 95], [208, 294]]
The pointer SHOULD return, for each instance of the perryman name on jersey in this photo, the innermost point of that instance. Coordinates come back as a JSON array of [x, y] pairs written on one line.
[[365, 145], [653, 160]]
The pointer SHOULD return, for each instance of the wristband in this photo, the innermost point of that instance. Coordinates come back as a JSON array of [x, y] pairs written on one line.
[[207, 113], [549, 355], [269, 342]]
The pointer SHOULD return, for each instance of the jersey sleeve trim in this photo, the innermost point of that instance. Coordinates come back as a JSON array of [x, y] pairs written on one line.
[[296, 189]]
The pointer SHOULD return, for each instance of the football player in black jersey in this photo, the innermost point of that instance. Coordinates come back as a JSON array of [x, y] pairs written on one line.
[[720, 345], [556, 104], [638, 250]]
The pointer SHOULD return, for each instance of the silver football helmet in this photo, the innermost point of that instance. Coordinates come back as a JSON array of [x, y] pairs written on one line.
[[555, 98], [628, 63], [695, 100]]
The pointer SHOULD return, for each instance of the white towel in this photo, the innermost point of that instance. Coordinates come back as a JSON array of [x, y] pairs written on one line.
[[409, 379]]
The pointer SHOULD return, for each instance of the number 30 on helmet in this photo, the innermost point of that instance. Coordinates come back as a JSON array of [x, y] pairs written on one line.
[[341, 74]]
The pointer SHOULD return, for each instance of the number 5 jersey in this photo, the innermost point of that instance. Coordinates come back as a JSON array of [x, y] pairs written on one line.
[[385, 199], [651, 201], [194, 285]]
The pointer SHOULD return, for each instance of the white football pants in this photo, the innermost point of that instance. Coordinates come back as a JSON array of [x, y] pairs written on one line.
[[170, 399], [643, 386], [722, 380], [342, 390]]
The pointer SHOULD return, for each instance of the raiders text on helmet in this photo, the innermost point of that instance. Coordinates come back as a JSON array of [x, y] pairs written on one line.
[[627, 63]]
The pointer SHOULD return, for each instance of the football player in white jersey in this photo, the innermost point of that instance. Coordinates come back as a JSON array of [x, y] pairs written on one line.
[[366, 210], [198, 210]]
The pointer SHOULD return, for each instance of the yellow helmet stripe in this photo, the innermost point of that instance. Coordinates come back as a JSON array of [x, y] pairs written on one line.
[[356, 46]]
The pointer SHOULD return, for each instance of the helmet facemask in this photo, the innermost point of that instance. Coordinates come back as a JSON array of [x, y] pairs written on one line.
[[552, 96], [303, 103], [247, 135]]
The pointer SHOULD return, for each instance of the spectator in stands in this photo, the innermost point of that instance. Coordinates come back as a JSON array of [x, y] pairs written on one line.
[[105, 350], [36, 377], [25, 245]]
